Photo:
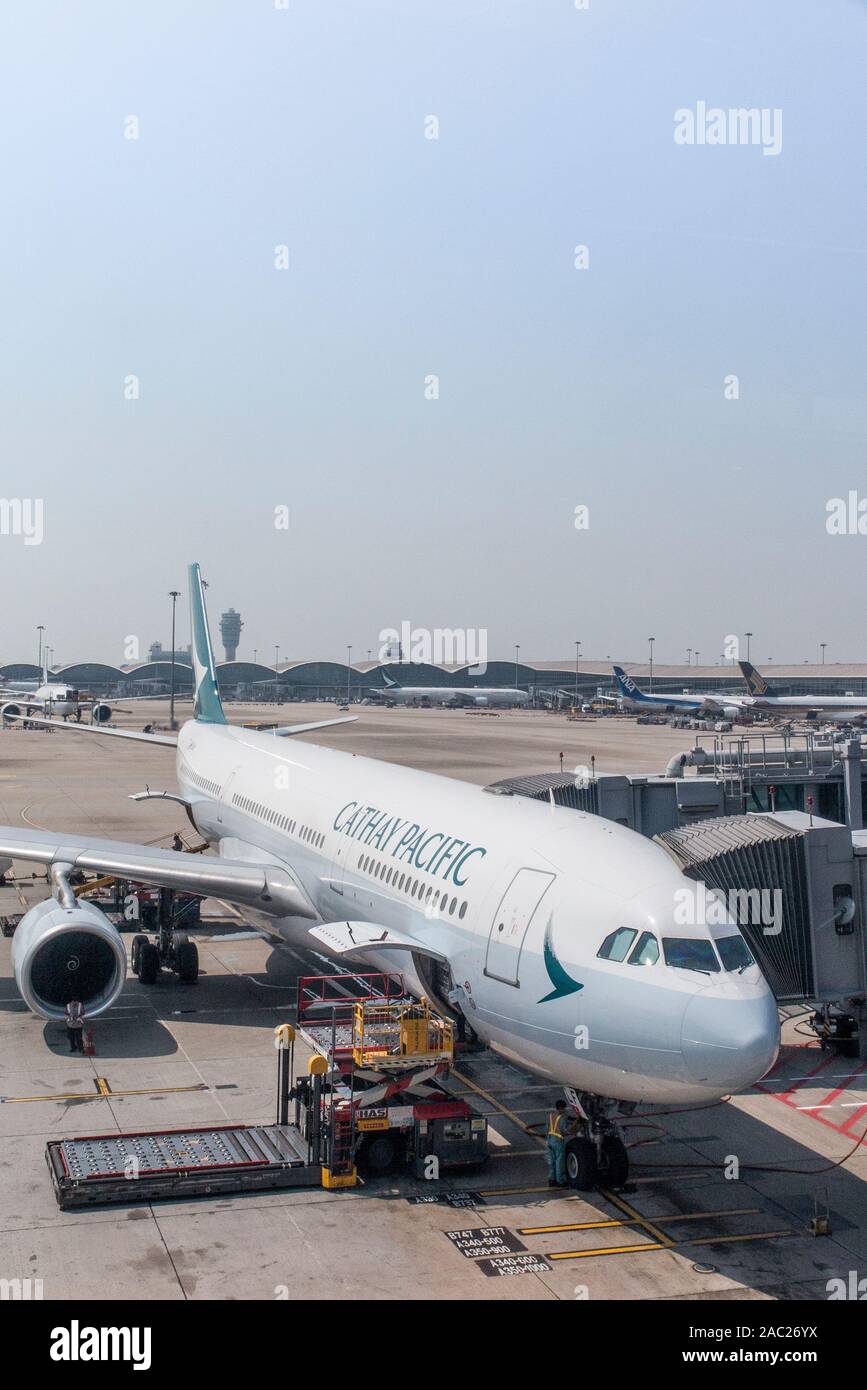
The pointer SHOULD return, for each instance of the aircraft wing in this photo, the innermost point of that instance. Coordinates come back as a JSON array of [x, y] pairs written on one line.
[[271, 888], [348, 938], [167, 740]]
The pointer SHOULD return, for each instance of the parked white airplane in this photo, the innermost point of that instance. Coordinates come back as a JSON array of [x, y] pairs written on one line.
[[843, 709], [452, 695], [556, 932], [634, 698], [49, 697]]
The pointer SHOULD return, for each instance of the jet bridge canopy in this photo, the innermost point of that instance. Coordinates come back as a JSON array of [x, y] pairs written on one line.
[[794, 884]]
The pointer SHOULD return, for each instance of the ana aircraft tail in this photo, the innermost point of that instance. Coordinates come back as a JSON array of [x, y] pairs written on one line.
[[208, 709], [755, 681], [626, 685]]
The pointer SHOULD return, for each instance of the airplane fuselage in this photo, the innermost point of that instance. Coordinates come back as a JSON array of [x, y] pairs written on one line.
[[494, 696], [517, 897]]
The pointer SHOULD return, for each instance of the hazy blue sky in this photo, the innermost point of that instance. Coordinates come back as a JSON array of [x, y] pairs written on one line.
[[409, 257]]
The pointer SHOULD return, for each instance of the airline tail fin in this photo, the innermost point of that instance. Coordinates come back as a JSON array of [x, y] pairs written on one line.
[[626, 685], [755, 681], [390, 682], [208, 709]]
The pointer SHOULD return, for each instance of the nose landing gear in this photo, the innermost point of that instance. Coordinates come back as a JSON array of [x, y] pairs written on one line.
[[596, 1156]]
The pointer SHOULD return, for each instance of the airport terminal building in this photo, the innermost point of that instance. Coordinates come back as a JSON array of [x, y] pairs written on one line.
[[335, 680]]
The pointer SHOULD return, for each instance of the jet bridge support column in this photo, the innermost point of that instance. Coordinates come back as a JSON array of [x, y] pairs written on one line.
[[852, 784]]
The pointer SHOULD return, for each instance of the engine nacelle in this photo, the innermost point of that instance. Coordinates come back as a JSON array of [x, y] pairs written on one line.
[[10, 711], [480, 699], [61, 953], [101, 713], [731, 712]]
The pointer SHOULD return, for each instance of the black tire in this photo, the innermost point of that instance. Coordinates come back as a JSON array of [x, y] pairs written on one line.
[[187, 962], [614, 1168], [581, 1164], [148, 963], [378, 1155], [138, 941]]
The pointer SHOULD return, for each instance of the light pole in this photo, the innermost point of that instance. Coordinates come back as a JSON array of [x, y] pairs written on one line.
[[689, 656], [255, 654], [174, 595], [651, 640], [577, 648], [517, 649], [40, 629], [697, 655], [748, 635], [348, 671], [823, 645]]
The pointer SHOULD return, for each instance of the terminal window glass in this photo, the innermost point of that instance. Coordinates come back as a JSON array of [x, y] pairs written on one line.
[[646, 950], [690, 953], [616, 946], [734, 952]]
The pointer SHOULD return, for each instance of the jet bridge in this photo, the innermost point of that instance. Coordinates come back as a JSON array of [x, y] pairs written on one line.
[[797, 886]]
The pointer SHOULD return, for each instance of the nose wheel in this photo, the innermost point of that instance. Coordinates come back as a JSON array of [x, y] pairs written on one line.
[[597, 1155]]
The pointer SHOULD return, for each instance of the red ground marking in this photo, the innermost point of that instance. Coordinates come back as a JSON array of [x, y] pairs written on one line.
[[785, 1096]]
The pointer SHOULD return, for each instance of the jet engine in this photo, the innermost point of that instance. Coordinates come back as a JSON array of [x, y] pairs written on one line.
[[101, 713], [10, 711], [731, 712], [61, 953], [480, 699]]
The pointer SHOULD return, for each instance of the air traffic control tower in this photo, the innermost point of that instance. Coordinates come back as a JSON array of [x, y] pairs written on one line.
[[230, 632]]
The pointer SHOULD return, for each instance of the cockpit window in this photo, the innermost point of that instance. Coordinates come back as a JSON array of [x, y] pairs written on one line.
[[734, 952], [689, 953], [646, 951], [616, 946]]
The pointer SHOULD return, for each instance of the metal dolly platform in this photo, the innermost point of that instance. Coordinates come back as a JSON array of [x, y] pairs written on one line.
[[100, 1169]]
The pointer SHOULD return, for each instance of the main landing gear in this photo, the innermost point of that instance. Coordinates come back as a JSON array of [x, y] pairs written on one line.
[[169, 950], [597, 1156]]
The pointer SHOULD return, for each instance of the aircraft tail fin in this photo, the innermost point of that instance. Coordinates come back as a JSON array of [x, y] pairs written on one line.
[[208, 709], [626, 685], [755, 681], [390, 682]]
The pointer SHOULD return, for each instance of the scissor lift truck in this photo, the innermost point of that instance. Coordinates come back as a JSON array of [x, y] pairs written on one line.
[[377, 1096]]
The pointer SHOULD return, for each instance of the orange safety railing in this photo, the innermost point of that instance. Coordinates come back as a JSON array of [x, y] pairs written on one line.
[[400, 1033]]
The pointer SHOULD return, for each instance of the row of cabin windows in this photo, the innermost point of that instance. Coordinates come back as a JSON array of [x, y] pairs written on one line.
[[414, 887], [272, 817], [213, 788]]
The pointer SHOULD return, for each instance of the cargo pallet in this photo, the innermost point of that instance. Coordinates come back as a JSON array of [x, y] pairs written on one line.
[[100, 1169]]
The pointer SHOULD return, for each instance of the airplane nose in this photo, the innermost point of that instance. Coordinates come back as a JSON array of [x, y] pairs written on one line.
[[730, 1043]]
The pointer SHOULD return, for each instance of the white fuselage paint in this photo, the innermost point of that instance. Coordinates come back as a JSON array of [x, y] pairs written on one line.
[[494, 696], [623, 1034], [46, 699]]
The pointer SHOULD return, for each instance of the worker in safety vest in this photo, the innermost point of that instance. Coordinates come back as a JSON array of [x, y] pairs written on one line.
[[75, 1025], [561, 1126]]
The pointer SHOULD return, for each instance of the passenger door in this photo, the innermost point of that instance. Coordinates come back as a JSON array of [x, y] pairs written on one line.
[[512, 921]]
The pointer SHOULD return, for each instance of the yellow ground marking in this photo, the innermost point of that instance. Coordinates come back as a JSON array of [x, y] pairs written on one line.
[[104, 1092], [631, 1221], [503, 1109]]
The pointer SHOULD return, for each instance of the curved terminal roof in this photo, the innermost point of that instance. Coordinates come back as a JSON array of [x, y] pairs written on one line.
[[831, 678]]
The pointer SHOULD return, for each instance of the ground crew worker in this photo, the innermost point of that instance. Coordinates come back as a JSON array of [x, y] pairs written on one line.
[[561, 1127], [75, 1025]]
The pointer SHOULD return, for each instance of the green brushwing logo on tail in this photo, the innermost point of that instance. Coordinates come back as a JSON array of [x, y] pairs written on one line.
[[563, 983], [208, 709]]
